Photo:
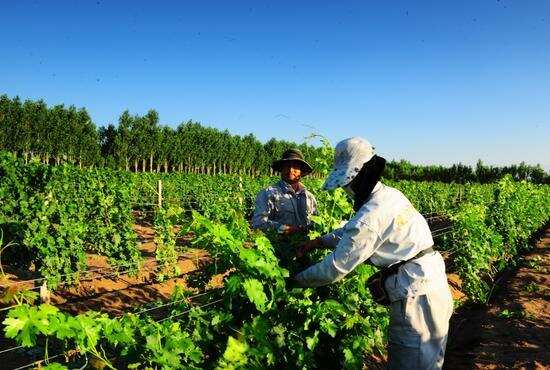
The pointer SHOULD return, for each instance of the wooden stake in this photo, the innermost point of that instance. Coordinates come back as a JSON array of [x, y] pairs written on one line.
[[160, 193]]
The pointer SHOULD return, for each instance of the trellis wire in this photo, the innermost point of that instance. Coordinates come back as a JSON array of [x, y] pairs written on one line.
[[38, 362], [187, 311], [146, 310], [10, 349], [89, 271], [176, 301]]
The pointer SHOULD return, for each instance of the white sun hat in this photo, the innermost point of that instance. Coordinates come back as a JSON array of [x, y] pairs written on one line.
[[349, 157]]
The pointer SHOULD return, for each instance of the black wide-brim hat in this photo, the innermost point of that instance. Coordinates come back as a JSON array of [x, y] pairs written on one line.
[[292, 155]]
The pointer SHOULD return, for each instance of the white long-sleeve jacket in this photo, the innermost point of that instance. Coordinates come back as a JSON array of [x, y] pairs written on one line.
[[387, 229]]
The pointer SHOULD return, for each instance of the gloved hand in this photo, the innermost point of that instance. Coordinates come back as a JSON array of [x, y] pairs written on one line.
[[308, 247]]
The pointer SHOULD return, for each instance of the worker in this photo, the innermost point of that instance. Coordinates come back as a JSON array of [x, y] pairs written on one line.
[[388, 232], [286, 206]]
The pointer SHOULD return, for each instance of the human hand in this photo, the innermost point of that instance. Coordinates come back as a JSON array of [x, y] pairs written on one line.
[[289, 229], [307, 247]]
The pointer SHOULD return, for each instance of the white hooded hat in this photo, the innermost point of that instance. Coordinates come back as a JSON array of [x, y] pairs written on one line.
[[350, 155]]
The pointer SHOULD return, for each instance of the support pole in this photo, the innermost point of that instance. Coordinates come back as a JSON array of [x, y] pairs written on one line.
[[160, 193]]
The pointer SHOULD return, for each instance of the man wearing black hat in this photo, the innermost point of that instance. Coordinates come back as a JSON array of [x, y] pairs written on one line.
[[286, 205]]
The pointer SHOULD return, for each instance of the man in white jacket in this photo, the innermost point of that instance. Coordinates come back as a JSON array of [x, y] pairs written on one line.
[[387, 230]]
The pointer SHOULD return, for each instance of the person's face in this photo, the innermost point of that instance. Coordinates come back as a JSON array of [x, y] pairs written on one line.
[[291, 172]]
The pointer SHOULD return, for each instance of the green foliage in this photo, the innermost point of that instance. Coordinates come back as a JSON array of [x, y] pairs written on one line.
[[141, 342], [259, 319], [514, 314], [52, 215], [489, 231], [165, 240], [282, 326]]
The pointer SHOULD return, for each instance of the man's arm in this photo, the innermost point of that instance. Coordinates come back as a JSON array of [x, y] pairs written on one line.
[[313, 203], [332, 239], [355, 247], [325, 241]]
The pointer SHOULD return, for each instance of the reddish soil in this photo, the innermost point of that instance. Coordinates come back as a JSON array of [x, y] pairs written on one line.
[[106, 291], [513, 331]]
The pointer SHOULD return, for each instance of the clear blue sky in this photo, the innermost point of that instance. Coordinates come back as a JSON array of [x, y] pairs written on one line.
[[428, 81]]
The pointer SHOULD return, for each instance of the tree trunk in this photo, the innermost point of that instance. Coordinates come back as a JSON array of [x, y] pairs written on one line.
[[127, 163], [135, 165], [143, 162], [151, 163], [158, 168], [165, 166]]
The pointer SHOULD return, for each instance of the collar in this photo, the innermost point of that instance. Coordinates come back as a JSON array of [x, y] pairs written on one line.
[[287, 188], [377, 187]]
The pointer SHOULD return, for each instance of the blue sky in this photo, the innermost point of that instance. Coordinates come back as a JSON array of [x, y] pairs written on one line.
[[428, 81]]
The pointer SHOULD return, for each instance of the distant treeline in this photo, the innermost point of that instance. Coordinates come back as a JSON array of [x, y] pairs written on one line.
[[60, 134], [460, 173]]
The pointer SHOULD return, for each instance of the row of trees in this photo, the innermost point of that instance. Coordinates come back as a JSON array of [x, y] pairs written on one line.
[[139, 143], [460, 173], [54, 134]]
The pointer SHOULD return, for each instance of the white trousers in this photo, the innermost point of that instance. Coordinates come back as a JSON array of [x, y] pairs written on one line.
[[418, 330], [421, 307]]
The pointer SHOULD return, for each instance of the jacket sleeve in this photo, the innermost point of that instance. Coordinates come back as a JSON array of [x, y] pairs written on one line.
[[358, 243], [332, 239], [313, 209], [262, 211]]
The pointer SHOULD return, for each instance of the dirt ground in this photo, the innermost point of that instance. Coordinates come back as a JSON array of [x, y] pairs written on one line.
[[112, 293], [105, 291], [513, 331]]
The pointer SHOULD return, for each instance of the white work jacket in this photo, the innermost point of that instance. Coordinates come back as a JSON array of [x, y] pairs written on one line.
[[387, 229]]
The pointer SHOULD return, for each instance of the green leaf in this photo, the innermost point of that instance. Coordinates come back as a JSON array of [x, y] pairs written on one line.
[[312, 342], [12, 326], [235, 353], [255, 292], [54, 366]]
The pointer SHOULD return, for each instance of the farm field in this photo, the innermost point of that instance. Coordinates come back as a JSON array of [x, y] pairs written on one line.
[[512, 330], [270, 185], [135, 240]]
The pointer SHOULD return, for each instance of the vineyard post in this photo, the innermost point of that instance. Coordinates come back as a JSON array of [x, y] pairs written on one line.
[[160, 193]]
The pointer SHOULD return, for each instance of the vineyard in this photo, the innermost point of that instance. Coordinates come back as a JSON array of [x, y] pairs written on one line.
[[238, 307]]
